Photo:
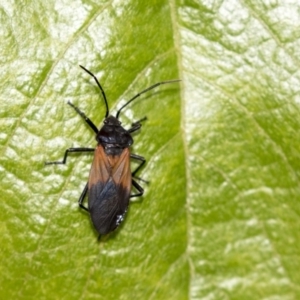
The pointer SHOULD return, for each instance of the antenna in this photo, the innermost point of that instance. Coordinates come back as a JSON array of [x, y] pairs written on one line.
[[144, 91], [100, 87]]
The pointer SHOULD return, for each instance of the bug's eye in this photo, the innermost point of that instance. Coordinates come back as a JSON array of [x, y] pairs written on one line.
[[105, 121]]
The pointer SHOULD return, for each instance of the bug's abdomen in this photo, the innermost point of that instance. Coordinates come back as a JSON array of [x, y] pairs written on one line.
[[108, 204], [109, 189]]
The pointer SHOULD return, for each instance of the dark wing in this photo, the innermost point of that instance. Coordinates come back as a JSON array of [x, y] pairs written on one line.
[[109, 189]]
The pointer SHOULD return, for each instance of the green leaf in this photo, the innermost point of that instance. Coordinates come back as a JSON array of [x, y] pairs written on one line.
[[220, 218]]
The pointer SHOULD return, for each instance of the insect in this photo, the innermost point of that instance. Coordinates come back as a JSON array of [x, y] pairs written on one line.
[[110, 179]]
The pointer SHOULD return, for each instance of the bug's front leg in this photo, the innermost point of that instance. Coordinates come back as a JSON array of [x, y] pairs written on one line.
[[83, 115], [136, 125]]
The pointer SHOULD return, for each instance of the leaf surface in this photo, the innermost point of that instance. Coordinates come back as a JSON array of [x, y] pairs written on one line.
[[220, 216]]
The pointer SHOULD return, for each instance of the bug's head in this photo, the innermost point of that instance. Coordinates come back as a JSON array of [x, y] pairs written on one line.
[[113, 135], [112, 121]]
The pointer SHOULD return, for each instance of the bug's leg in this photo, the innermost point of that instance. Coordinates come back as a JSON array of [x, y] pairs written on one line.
[[86, 119], [70, 150], [142, 161], [136, 125], [82, 196], [139, 158], [139, 188]]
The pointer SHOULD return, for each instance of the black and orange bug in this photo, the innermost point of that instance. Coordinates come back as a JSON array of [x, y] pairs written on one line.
[[110, 180]]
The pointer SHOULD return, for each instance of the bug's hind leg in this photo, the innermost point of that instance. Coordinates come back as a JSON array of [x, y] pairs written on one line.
[[82, 196], [142, 161], [139, 188]]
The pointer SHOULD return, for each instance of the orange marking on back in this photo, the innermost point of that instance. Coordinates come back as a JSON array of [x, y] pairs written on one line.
[[106, 167]]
